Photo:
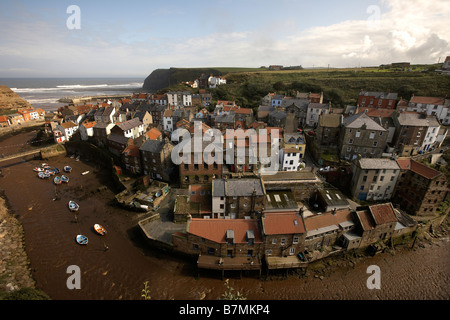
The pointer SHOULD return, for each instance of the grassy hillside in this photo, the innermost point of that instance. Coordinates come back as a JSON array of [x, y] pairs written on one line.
[[340, 86]]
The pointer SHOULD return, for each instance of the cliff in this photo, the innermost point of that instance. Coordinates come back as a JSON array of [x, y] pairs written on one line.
[[11, 100], [162, 78]]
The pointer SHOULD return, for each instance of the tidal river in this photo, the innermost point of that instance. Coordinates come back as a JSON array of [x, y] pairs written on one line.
[[117, 265]]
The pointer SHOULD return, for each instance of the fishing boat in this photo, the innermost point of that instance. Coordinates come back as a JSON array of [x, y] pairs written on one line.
[[67, 169], [64, 178], [38, 169], [100, 230], [81, 239], [57, 180], [73, 206], [56, 170]]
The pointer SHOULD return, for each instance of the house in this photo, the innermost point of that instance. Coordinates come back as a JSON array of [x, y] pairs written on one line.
[[156, 159], [385, 100], [420, 189], [276, 118], [326, 139], [67, 129], [28, 114], [314, 111], [158, 99], [145, 117], [277, 99], [432, 106], [101, 132], [133, 128], [155, 110], [105, 114], [117, 143], [4, 122], [196, 204], [327, 229], [324, 200], [87, 130], [194, 168], [298, 107], [131, 159], [360, 134], [375, 223], [295, 140], [154, 134], [374, 178], [179, 99], [222, 244], [237, 198], [414, 132], [290, 159], [283, 235], [15, 118]]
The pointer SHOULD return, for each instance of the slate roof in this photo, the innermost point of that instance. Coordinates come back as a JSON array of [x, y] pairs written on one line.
[[378, 163], [130, 124], [153, 146], [332, 120], [356, 121], [237, 187], [416, 119], [377, 95]]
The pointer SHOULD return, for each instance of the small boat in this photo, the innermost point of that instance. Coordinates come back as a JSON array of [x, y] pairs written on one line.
[[43, 175], [50, 172], [73, 206], [43, 165], [100, 230], [57, 180], [56, 170], [67, 169], [81, 239], [38, 169], [64, 178], [85, 173]]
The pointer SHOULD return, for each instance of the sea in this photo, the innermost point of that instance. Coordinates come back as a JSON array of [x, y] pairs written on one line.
[[44, 93]]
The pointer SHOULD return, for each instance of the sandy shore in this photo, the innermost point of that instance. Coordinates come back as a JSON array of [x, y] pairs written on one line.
[[15, 273]]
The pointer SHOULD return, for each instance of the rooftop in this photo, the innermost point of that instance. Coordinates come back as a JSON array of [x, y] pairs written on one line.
[[237, 187], [378, 163], [282, 223]]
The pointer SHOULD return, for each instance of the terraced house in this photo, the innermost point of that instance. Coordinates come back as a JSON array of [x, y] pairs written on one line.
[[362, 135]]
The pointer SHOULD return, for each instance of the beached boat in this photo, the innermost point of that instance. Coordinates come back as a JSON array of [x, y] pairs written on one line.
[[81, 239], [64, 178], [67, 169], [85, 173], [38, 169], [100, 230], [43, 175], [73, 206], [56, 170], [57, 180]]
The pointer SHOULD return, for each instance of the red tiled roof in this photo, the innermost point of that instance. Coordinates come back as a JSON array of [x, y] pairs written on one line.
[[366, 220], [243, 111], [383, 213], [327, 219], [283, 223], [404, 163], [153, 133], [215, 229], [424, 170], [3, 119], [427, 100], [88, 125], [131, 151]]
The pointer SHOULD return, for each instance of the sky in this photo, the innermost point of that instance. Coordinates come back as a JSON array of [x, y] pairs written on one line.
[[132, 38]]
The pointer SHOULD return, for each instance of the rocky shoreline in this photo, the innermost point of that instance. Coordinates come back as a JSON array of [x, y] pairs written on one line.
[[16, 280]]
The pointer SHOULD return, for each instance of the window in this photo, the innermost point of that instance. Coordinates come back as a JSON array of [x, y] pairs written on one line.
[[292, 251], [375, 143], [350, 141], [283, 241], [372, 135], [274, 241], [295, 241], [358, 133]]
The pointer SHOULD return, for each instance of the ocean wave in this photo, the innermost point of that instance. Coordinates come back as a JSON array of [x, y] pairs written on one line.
[[78, 87]]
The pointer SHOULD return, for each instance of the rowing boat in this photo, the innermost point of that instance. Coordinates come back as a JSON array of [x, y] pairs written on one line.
[[81, 239], [100, 230]]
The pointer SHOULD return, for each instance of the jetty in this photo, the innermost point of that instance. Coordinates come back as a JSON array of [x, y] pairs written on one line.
[[75, 100]]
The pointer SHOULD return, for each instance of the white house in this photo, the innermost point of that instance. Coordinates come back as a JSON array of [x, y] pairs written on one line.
[[314, 111], [431, 135], [290, 159], [432, 106], [168, 120], [67, 129], [179, 98], [86, 130]]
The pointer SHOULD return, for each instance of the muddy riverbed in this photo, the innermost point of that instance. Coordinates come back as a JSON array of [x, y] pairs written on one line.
[[117, 265]]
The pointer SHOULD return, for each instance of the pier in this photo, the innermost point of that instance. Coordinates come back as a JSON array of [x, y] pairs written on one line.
[[74, 100]]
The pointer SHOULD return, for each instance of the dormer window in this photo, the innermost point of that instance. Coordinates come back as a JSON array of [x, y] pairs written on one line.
[[250, 235], [230, 236]]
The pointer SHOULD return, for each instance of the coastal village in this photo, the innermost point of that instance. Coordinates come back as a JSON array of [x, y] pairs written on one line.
[[348, 178]]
